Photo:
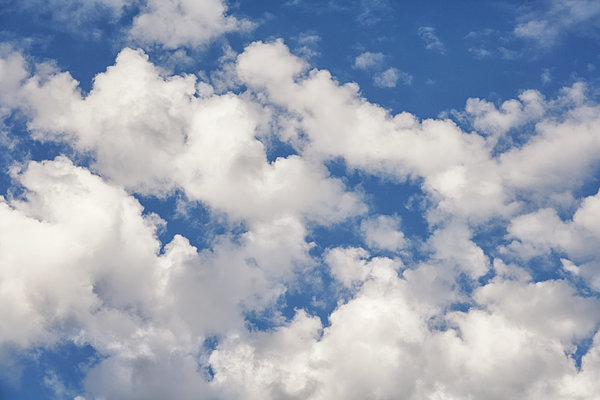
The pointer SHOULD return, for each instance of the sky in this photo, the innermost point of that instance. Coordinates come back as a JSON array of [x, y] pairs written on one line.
[[210, 199]]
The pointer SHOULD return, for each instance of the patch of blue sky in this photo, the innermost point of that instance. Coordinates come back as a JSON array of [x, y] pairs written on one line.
[[17, 147], [190, 219], [55, 373], [387, 196], [72, 48]]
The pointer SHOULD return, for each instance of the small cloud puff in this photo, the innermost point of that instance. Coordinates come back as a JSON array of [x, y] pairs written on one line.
[[368, 60], [390, 78], [382, 77]]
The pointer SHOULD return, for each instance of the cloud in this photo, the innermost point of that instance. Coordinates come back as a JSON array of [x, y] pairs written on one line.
[[557, 19], [307, 44], [75, 14], [487, 118], [368, 60], [542, 231], [97, 277], [390, 77], [537, 27], [546, 76], [383, 78], [432, 42], [383, 333], [175, 23], [168, 24], [383, 233], [175, 129], [448, 315]]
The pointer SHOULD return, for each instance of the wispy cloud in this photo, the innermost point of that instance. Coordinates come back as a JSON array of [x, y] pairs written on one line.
[[547, 26], [432, 41], [368, 60]]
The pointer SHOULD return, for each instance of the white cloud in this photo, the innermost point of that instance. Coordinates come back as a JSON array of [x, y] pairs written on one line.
[[175, 129], [307, 44], [557, 19], [382, 77], [383, 232], [97, 278], [368, 60], [540, 232], [487, 118], [546, 76], [169, 24], [100, 276], [175, 23], [432, 41], [460, 171], [390, 77], [381, 342]]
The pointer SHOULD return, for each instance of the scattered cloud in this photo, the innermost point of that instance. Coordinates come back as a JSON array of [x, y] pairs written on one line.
[[168, 24], [375, 63], [373, 11], [559, 17], [432, 41], [460, 312], [546, 76], [307, 44], [390, 78], [383, 233], [368, 60]]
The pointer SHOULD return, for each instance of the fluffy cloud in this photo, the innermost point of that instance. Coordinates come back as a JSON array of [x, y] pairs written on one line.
[[462, 171], [447, 317], [175, 23], [385, 343], [382, 77], [383, 233], [195, 143], [98, 277], [540, 232], [169, 24]]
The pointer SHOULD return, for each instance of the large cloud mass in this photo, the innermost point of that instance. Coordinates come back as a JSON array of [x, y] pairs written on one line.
[[444, 316]]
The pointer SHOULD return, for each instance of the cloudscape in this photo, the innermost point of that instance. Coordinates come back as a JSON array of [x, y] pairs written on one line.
[[303, 199]]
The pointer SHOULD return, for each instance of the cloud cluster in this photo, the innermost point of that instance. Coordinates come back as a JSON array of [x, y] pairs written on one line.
[[382, 77], [445, 316], [169, 24], [558, 18]]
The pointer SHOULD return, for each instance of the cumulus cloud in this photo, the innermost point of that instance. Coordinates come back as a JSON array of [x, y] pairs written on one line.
[[383, 233], [168, 24], [175, 23], [177, 130], [381, 341], [540, 232], [443, 316]]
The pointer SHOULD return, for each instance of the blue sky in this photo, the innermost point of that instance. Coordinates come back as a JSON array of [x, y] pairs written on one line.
[[299, 199]]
